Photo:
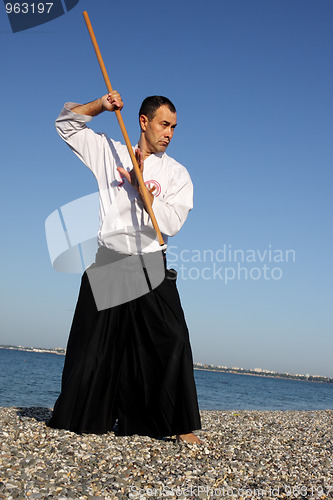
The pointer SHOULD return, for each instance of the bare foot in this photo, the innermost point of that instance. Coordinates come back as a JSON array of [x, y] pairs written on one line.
[[189, 438]]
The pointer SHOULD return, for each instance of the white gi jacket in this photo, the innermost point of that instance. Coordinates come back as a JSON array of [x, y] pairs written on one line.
[[124, 224]]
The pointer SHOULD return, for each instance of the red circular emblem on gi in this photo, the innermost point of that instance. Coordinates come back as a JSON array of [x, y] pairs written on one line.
[[157, 185]]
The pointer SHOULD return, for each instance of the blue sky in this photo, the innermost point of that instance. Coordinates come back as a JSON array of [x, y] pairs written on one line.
[[252, 82]]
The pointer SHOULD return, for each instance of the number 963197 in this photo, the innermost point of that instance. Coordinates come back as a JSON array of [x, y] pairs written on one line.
[[29, 8]]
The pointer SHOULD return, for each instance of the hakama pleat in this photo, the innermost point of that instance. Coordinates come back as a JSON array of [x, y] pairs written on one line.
[[132, 364]]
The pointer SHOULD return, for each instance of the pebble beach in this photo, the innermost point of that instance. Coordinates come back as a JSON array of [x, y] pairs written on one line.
[[245, 454]]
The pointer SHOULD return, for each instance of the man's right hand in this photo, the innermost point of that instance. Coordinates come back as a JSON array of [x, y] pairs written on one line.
[[109, 102], [112, 101]]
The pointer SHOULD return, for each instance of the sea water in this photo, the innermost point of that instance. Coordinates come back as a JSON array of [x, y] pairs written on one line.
[[30, 378]]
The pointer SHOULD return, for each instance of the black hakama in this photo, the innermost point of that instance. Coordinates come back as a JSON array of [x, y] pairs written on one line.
[[131, 363]]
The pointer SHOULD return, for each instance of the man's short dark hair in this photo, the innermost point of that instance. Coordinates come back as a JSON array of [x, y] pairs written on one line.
[[151, 104]]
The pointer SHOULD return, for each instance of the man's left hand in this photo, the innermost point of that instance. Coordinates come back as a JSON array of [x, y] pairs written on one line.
[[132, 179]]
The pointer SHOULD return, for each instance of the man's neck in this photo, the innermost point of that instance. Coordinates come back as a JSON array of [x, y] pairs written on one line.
[[145, 152]]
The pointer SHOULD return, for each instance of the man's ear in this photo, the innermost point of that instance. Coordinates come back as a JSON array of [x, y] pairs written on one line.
[[143, 122]]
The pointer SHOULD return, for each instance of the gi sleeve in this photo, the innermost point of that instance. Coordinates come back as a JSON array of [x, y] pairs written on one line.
[[84, 142], [172, 210]]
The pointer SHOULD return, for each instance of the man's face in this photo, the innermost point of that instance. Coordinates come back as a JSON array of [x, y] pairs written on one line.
[[159, 130]]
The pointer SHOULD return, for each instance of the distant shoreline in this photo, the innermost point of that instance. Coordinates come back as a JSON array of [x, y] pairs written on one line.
[[199, 366], [59, 350], [299, 378]]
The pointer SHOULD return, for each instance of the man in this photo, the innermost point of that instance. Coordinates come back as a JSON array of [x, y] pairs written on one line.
[[131, 363]]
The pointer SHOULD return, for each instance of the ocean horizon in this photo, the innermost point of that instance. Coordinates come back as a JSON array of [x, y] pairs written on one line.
[[199, 366], [30, 378]]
